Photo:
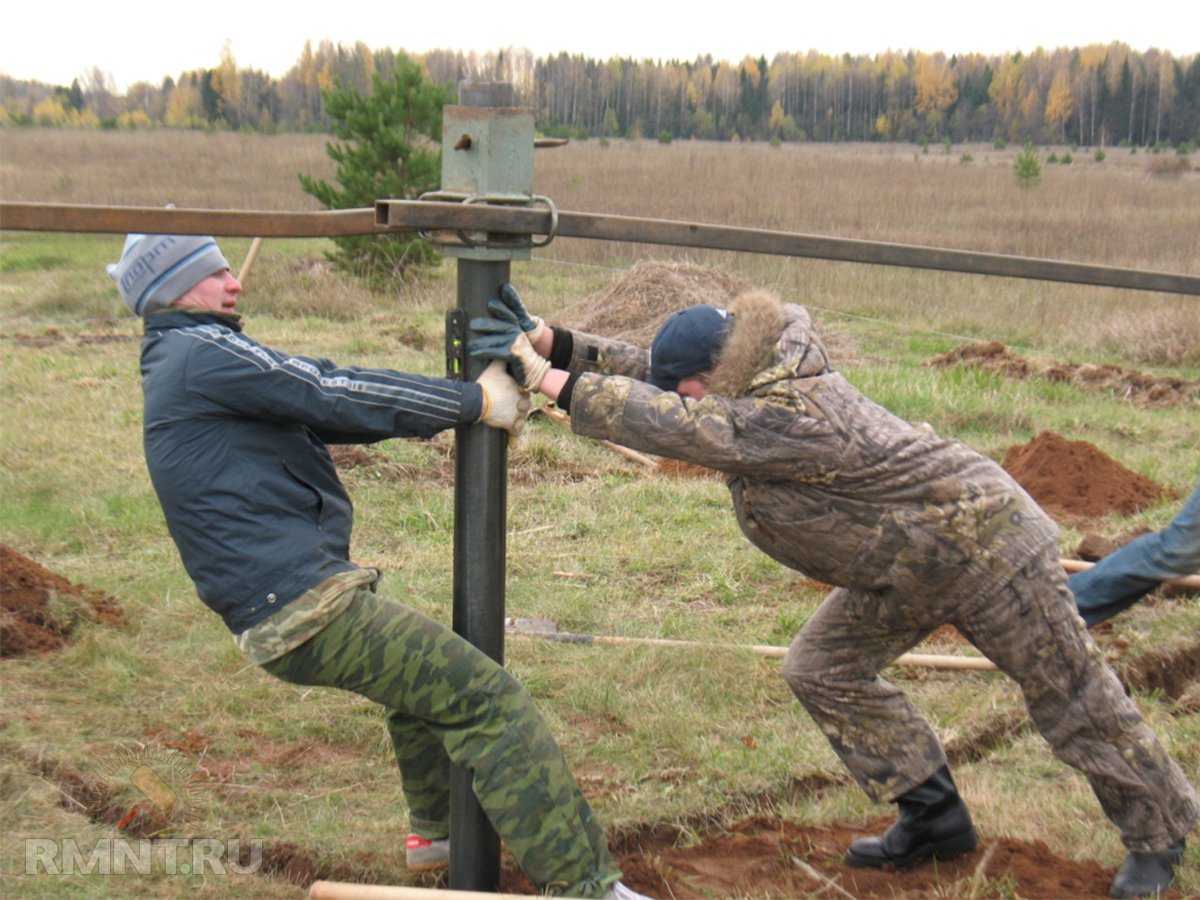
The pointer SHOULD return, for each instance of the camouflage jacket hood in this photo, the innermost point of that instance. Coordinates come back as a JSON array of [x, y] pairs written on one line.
[[822, 479], [769, 343]]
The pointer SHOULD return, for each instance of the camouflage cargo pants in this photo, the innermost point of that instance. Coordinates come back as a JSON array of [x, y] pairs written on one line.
[[447, 701], [1030, 629]]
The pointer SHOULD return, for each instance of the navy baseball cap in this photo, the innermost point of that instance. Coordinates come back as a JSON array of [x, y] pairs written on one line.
[[687, 344]]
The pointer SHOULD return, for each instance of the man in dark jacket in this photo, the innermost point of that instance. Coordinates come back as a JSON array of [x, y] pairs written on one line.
[[235, 441], [915, 530]]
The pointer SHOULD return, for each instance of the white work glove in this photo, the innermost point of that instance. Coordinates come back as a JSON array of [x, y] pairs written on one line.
[[505, 405]]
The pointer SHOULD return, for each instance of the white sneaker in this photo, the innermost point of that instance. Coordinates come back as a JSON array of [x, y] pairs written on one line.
[[424, 855], [619, 891]]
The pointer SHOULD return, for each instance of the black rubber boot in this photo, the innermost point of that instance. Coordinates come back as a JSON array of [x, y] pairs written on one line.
[[1147, 874], [933, 822]]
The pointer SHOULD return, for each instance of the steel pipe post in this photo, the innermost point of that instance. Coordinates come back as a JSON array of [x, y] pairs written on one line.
[[480, 491], [487, 149]]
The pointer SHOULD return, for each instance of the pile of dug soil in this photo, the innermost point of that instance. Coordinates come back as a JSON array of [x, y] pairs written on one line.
[[1074, 478], [39, 609], [1140, 388]]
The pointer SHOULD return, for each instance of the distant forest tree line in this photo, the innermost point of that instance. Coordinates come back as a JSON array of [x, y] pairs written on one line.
[[1099, 95]]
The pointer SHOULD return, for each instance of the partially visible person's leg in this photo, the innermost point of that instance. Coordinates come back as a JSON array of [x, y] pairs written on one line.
[[425, 774], [1126, 575], [448, 701], [833, 668], [1030, 629]]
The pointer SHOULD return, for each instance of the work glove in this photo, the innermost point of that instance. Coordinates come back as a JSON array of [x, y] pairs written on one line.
[[505, 405], [502, 339], [533, 326]]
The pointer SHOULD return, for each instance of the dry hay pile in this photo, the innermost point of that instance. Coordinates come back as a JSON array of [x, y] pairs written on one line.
[[1140, 388], [633, 306]]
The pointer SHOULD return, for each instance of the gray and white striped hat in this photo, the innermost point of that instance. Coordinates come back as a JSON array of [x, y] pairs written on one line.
[[155, 270]]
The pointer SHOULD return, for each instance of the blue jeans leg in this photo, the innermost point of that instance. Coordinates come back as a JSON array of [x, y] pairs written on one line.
[[1126, 575]]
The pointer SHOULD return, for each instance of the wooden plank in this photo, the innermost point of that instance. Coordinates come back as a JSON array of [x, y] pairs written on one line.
[[438, 216]]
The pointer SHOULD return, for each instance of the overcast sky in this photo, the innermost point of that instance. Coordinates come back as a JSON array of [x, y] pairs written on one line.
[[136, 41]]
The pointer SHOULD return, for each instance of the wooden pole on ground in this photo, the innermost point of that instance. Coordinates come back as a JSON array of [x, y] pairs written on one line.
[[1191, 582], [557, 415], [546, 629], [343, 890]]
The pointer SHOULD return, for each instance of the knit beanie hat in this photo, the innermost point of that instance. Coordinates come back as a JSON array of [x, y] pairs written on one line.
[[155, 270], [687, 344]]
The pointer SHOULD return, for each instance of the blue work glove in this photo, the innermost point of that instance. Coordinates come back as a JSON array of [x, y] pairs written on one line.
[[503, 339], [511, 301]]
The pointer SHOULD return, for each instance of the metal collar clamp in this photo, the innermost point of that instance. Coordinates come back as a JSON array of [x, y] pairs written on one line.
[[489, 239]]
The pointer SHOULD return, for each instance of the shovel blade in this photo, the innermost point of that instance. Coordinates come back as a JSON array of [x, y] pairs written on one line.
[[515, 625]]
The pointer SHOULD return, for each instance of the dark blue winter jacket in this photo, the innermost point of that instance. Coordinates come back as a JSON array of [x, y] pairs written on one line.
[[235, 437]]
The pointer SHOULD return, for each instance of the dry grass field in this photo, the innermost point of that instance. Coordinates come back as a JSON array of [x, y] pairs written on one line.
[[1128, 211], [708, 775]]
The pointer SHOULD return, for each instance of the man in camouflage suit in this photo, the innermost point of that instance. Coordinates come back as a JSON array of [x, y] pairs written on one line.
[[915, 531], [235, 440]]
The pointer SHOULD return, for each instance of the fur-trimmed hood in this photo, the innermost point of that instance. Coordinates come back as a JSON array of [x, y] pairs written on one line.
[[770, 341]]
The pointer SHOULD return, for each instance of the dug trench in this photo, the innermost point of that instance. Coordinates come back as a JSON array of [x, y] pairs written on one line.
[[733, 852]]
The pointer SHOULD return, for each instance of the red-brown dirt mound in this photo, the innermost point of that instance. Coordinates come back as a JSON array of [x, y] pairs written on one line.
[[769, 857], [1074, 478], [1140, 388], [39, 609]]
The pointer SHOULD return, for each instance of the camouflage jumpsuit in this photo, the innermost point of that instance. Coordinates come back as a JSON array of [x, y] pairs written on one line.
[[916, 531]]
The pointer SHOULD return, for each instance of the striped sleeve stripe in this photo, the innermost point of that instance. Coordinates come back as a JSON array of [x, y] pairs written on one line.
[[394, 390]]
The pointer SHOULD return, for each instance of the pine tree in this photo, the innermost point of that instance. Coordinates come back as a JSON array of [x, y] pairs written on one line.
[[392, 152], [1026, 168]]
